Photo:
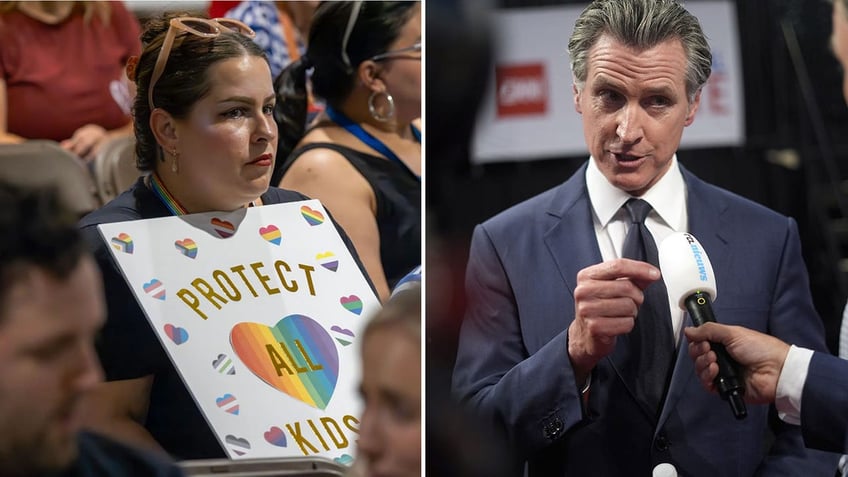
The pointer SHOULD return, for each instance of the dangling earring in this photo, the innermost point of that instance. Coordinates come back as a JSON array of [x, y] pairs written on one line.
[[375, 112], [175, 168]]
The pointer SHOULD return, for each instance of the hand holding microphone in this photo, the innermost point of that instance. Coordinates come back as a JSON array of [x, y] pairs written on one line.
[[689, 279]]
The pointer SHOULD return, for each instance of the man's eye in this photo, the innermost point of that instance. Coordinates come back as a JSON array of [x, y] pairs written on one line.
[[659, 101], [608, 95]]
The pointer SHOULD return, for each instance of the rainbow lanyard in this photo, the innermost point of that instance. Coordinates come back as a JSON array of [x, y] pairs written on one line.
[[371, 141], [170, 202]]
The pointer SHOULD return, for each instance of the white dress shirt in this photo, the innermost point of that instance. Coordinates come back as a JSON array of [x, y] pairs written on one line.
[[790, 384], [611, 222]]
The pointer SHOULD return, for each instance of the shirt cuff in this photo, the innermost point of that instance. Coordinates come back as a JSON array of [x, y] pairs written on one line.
[[790, 384]]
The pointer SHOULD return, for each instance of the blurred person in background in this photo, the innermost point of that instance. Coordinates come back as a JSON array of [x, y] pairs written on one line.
[[281, 27], [389, 442], [62, 73], [205, 131], [362, 156], [51, 307], [459, 43]]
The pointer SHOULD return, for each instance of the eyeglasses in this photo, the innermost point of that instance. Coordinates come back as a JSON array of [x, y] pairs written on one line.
[[201, 27], [400, 53]]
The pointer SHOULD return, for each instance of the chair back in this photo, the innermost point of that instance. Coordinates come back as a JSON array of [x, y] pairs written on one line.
[[115, 168], [43, 163]]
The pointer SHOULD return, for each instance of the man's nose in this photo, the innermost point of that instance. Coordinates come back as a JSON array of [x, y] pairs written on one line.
[[629, 128], [87, 371]]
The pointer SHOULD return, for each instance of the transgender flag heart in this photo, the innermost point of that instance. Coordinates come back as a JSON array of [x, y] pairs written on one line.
[[228, 403], [296, 356], [155, 288]]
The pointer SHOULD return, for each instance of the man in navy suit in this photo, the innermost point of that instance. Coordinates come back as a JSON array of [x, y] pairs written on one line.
[[546, 342], [776, 372]]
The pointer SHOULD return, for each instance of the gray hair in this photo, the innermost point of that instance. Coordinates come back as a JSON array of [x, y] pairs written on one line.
[[642, 24]]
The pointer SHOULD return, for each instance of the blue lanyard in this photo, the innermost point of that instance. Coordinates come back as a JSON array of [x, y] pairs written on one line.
[[371, 141]]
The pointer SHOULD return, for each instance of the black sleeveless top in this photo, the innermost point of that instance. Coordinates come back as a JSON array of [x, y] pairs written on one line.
[[398, 195]]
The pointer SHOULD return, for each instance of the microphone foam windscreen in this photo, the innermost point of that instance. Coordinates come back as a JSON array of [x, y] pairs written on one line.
[[685, 267]]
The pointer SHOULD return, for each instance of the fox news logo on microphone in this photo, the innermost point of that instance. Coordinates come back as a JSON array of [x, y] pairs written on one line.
[[698, 255], [522, 90]]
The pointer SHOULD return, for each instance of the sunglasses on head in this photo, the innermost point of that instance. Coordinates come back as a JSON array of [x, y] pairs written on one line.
[[201, 27]]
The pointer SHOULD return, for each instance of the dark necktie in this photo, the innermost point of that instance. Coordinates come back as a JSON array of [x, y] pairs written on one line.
[[651, 348]]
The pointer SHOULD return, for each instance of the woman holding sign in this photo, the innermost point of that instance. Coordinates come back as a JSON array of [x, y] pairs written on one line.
[[362, 156], [205, 132]]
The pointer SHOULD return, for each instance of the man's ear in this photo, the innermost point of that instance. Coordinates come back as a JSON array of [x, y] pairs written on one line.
[[164, 129], [693, 108], [368, 73], [576, 93]]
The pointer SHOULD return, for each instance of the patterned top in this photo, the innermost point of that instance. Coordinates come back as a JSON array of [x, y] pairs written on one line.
[[264, 19]]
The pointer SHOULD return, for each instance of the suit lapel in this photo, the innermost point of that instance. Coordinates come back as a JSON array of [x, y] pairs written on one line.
[[569, 211], [705, 208]]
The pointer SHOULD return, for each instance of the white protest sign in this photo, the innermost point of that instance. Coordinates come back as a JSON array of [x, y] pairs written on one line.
[[260, 311]]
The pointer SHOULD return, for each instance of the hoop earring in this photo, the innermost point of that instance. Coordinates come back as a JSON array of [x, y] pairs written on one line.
[[175, 167], [375, 112]]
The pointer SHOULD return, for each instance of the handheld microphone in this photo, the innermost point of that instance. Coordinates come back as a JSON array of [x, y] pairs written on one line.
[[688, 276]]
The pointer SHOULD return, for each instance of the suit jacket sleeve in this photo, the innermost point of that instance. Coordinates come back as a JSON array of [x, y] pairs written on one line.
[[824, 404], [533, 400]]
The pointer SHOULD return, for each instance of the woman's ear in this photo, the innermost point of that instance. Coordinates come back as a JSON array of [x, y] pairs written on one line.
[[164, 128], [369, 75]]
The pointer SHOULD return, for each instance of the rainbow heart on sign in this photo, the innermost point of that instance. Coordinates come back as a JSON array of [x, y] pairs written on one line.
[[123, 243], [328, 260], [351, 303], [238, 445], [344, 459], [186, 247], [313, 217], [275, 436], [155, 288], [228, 403], [296, 356], [224, 228], [342, 335], [178, 335], [271, 233]]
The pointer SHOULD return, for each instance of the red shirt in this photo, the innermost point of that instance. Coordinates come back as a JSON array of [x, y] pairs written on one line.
[[61, 77]]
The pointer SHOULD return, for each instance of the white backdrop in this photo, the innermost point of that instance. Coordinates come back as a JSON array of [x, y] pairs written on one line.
[[528, 111]]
